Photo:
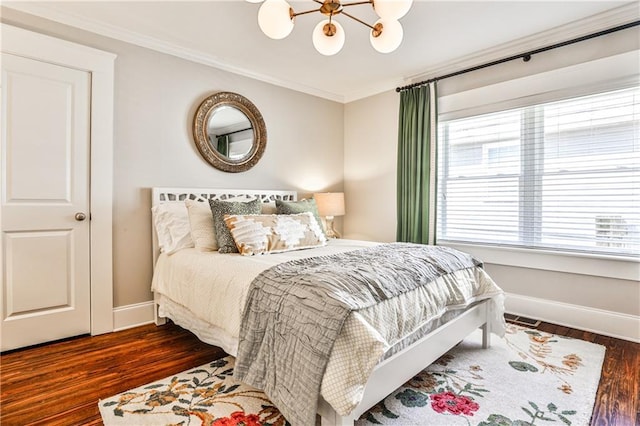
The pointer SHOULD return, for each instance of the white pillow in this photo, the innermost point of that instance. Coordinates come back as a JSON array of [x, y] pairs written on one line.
[[201, 222], [172, 227]]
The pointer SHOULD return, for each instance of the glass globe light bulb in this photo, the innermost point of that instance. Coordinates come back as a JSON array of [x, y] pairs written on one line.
[[328, 44], [389, 38], [392, 9], [274, 19]]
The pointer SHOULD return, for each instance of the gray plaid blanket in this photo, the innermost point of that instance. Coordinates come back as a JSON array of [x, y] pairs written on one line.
[[295, 311]]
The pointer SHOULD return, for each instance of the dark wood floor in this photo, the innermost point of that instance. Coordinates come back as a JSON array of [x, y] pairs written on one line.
[[61, 383], [618, 398]]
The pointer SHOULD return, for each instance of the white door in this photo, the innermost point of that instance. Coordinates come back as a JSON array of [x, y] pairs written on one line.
[[45, 200]]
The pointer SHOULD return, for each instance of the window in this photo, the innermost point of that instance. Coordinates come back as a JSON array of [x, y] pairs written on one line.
[[562, 175]]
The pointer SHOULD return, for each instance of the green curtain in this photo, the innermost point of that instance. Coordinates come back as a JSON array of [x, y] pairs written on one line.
[[416, 182], [223, 144]]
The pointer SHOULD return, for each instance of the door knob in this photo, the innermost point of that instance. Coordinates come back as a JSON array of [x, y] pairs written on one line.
[[80, 216]]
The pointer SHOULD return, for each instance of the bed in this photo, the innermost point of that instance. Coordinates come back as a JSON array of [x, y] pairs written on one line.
[[183, 292]]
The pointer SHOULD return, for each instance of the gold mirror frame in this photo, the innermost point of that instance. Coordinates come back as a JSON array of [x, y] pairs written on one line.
[[200, 122]]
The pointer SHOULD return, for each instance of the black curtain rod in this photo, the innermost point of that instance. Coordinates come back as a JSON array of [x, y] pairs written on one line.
[[234, 132], [525, 56]]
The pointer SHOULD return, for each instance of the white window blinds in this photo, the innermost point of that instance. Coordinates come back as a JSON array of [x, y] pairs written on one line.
[[559, 175]]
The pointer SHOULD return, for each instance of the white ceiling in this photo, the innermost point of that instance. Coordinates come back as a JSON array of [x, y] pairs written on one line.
[[436, 33]]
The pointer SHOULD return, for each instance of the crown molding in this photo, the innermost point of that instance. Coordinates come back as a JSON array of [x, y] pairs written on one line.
[[373, 89], [609, 19], [138, 39]]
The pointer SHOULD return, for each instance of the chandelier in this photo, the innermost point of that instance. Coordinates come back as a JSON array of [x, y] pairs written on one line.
[[276, 19]]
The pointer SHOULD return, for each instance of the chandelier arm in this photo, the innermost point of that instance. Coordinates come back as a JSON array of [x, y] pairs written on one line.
[[305, 12], [355, 3], [358, 20]]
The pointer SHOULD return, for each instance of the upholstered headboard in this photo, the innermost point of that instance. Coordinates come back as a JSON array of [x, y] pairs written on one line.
[[162, 195]]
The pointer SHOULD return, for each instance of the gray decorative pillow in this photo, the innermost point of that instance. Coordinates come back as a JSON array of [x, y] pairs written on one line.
[[302, 206], [221, 208]]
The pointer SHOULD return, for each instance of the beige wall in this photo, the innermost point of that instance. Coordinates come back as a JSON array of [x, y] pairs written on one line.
[[370, 185], [371, 139], [155, 98]]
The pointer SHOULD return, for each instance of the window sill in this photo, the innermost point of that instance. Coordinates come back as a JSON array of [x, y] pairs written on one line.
[[573, 263]]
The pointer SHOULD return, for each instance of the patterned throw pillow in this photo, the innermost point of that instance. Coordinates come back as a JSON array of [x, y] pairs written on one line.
[[261, 234], [294, 207], [221, 208]]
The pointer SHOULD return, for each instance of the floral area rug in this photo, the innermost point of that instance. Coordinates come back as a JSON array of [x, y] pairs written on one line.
[[527, 378]]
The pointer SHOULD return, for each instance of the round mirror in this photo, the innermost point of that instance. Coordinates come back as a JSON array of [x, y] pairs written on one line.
[[229, 132]]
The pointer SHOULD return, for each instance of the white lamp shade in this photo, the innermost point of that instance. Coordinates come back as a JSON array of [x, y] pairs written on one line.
[[254, 1], [330, 203], [274, 19], [392, 9], [328, 45], [390, 38]]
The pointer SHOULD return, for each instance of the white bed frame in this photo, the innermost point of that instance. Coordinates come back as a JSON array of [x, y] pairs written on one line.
[[392, 372]]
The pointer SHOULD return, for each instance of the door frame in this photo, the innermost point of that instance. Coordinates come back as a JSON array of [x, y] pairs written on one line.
[[100, 65]]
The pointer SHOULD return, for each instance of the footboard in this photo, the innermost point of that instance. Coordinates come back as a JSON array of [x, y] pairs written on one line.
[[396, 370]]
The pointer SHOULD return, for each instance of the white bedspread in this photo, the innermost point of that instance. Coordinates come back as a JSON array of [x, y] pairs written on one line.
[[213, 287]]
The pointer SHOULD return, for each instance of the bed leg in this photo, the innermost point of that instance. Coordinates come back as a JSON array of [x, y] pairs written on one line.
[[158, 319], [329, 416], [336, 420], [156, 315], [486, 335]]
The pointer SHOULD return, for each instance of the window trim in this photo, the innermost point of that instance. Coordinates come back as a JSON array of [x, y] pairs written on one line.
[[592, 264], [600, 75]]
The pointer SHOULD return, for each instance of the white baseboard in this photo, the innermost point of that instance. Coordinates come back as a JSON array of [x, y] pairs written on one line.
[[607, 323], [132, 315]]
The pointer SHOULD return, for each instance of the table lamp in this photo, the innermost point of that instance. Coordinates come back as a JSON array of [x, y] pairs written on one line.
[[330, 204]]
